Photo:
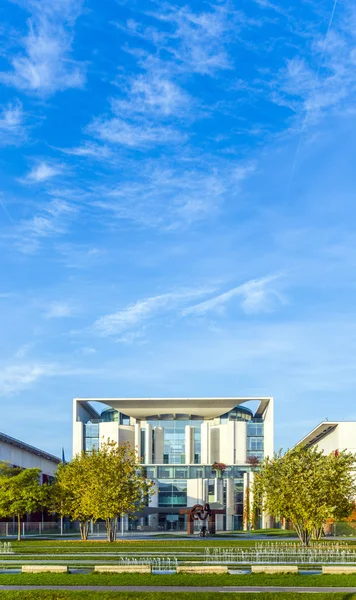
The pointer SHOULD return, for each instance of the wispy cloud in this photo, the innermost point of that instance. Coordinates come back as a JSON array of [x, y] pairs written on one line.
[[154, 94], [321, 80], [12, 124], [172, 197], [196, 42], [44, 65], [256, 295], [14, 378], [58, 310], [51, 222], [42, 171], [135, 135], [140, 312]]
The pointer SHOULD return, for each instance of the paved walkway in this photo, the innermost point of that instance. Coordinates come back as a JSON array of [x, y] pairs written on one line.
[[176, 588]]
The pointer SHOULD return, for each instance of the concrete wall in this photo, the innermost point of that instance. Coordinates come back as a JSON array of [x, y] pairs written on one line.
[[24, 458]]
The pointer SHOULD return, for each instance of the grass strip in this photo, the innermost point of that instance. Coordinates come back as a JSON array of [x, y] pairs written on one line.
[[54, 595], [181, 579]]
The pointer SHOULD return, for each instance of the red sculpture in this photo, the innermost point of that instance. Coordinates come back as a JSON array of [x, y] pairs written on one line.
[[201, 512]]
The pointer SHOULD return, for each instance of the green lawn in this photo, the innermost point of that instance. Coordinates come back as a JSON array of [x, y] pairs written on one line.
[[54, 595], [27, 546], [180, 579]]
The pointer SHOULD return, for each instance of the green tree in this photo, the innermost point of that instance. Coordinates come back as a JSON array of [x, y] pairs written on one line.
[[101, 485], [21, 492], [69, 492], [117, 485], [306, 487]]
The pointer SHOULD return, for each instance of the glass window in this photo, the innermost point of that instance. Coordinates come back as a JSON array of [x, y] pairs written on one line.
[[181, 472], [196, 472], [172, 493], [91, 436], [165, 472], [124, 419], [174, 437], [151, 472]]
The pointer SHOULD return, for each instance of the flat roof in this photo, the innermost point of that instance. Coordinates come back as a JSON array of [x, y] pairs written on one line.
[[23, 446], [205, 407], [318, 433]]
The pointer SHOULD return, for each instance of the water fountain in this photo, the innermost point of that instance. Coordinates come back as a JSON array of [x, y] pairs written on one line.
[[160, 565], [6, 548], [282, 554]]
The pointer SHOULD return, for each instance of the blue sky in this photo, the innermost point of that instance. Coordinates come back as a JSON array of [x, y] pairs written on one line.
[[177, 207]]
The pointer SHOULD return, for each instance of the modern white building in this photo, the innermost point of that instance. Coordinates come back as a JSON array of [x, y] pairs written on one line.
[[178, 440], [20, 454], [332, 435]]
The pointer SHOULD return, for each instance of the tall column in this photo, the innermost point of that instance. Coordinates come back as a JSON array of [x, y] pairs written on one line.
[[158, 434], [246, 501], [230, 504], [148, 440], [205, 443], [218, 485], [200, 491], [241, 442], [214, 445], [153, 518], [138, 441], [189, 445]]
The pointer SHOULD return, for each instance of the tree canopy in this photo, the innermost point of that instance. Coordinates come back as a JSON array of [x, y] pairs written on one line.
[[102, 484], [21, 492], [306, 487]]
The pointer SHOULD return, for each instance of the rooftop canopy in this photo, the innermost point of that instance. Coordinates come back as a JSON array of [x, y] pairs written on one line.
[[209, 408]]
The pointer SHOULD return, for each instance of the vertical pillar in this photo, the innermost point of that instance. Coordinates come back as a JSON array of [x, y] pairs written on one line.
[[200, 491], [148, 439], [158, 433], [218, 491], [230, 504], [138, 440], [205, 443], [189, 445], [246, 498]]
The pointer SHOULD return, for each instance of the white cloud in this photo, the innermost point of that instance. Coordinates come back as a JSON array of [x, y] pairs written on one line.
[[197, 41], [44, 66], [174, 197], [42, 171], [14, 378], [139, 312], [322, 79], [89, 149], [134, 135], [52, 221], [12, 126], [256, 295], [153, 93], [58, 310]]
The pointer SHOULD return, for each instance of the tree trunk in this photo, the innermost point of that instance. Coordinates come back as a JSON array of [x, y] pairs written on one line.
[[18, 528], [108, 529], [84, 529]]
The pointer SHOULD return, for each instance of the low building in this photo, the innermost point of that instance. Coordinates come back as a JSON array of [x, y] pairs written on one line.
[[178, 440], [20, 454], [332, 435]]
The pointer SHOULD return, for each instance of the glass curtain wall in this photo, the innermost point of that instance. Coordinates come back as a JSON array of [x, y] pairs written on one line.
[[174, 438]]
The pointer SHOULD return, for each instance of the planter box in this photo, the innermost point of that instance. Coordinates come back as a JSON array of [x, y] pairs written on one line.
[[339, 569], [203, 569], [274, 569], [44, 569], [122, 569]]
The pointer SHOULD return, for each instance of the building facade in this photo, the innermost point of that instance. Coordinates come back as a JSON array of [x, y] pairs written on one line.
[[332, 435], [20, 454], [178, 440]]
